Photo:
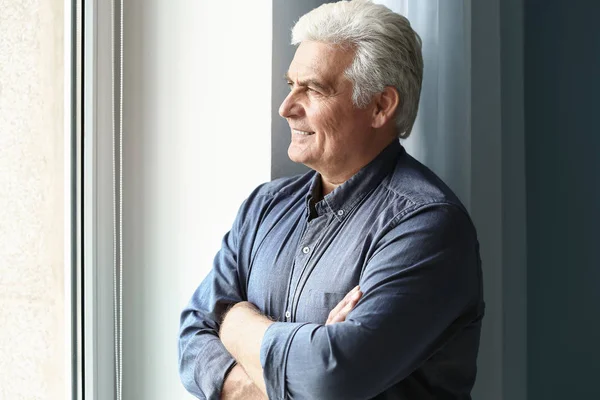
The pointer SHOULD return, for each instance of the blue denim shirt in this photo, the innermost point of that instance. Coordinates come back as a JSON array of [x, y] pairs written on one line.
[[395, 229]]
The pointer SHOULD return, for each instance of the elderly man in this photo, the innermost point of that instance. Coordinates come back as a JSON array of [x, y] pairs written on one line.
[[360, 279]]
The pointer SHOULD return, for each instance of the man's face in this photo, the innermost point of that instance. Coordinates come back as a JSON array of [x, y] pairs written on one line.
[[327, 130]]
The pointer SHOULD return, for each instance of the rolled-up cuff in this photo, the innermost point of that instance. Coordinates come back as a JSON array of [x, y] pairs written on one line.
[[273, 356], [212, 366]]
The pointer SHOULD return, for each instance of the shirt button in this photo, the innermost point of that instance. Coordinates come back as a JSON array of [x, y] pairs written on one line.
[[340, 212], [306, 250], [288, 314]]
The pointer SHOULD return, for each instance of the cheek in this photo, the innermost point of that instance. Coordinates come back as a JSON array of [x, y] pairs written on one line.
[[328, 120]]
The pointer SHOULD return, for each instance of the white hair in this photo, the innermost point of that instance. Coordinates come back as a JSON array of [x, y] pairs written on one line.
[[387, 51]]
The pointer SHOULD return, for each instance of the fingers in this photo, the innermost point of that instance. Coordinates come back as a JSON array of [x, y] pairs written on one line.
[[344, 301], [343, 308], [341, 316]]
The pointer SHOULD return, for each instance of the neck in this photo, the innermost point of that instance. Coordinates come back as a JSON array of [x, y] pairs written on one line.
[[328, 184], [327, 187], [332, 179]]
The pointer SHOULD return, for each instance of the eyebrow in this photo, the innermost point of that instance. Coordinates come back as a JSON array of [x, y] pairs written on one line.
[[309, 82]]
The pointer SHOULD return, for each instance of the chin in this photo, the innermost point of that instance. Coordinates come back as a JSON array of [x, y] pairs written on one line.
[[299, 157], [295, 154]]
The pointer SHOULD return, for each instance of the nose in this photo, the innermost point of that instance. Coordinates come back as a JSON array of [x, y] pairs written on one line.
[[290, 107]]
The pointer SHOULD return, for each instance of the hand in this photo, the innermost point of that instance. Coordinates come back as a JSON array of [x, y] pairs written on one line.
[[341, 311]]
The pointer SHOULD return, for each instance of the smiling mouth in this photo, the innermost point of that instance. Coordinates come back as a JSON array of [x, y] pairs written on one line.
[[302, 133]]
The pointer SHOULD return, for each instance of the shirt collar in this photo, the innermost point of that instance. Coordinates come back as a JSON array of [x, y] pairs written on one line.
[[342, 200]]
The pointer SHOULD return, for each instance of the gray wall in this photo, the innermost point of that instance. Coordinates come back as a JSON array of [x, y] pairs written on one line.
[[562, 83], [514, 233], [486, 188]]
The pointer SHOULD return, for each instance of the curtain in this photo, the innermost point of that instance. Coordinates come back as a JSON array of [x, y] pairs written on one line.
[[441, 138]]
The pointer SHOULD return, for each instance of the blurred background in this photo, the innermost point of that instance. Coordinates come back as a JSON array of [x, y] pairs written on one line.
[[508, 118]]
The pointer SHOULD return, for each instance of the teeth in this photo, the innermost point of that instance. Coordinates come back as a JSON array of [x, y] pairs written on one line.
[[302, 132]]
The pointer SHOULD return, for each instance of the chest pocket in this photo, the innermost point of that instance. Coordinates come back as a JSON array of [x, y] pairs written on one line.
[[315, 305], [319, 299]]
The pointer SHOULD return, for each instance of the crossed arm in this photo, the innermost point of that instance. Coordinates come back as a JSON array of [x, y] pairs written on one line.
[[245, 380], [417, 283]]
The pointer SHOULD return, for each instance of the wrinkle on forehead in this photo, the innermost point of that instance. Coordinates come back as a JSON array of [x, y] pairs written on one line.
[[324, 62]]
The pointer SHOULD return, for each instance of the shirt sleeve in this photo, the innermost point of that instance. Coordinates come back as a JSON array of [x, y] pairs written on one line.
[[203, 360], [422, 277]]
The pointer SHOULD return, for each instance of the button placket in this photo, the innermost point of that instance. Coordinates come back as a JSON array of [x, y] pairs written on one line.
[[312, 235]]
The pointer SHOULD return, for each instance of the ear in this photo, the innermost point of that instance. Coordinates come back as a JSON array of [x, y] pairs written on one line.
[[385, 105]]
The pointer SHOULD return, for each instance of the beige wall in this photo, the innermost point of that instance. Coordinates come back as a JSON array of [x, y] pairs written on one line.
[[31, 200]]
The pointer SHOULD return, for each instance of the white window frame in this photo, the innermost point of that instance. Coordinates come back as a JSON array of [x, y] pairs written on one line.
[[73, 355], [98, 380]]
